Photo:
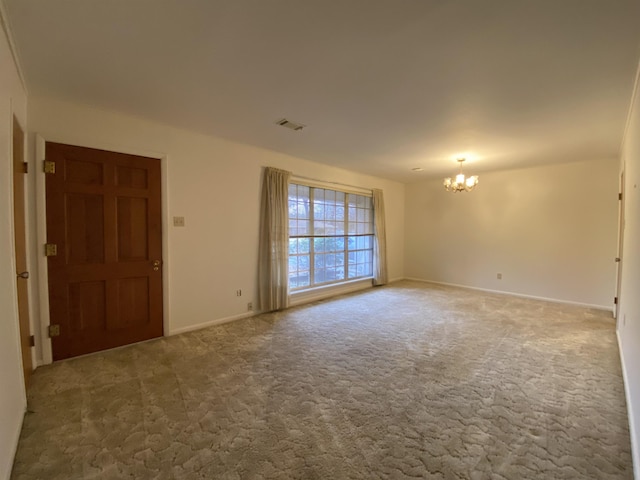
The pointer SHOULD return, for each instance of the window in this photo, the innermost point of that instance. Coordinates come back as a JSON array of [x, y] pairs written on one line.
[[330, 237]]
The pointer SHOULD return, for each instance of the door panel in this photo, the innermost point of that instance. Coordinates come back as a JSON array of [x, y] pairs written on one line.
[[133, 302], [21, 250], [131, 177], [87, 306], [132, 214], [85, 230], [104, 215], [84, 172]]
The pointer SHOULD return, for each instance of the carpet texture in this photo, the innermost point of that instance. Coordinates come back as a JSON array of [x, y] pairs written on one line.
[[410, 380]]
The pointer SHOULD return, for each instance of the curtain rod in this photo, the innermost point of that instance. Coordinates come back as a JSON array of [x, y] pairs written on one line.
[[315, 180]]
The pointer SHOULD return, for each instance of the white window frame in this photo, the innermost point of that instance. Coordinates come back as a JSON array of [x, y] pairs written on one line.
[[363, 280]]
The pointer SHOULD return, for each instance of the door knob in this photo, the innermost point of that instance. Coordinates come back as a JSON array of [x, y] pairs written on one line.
[[23, 275], [156, 265]]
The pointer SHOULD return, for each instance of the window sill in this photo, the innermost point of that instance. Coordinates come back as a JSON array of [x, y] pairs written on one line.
[[320, 293]]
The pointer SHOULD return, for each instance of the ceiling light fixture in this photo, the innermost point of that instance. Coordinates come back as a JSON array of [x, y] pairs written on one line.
[[460, 183]]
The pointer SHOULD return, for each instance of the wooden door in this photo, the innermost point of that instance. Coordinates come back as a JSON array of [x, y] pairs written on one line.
[[19, 171], [104, 218]]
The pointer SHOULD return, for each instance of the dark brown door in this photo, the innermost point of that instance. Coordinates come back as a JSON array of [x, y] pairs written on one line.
[[104, 217], [19, 171]]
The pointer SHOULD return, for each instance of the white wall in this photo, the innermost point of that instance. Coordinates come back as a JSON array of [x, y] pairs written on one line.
[[215, 185], [629, 316], [550, 231], [12, 394]]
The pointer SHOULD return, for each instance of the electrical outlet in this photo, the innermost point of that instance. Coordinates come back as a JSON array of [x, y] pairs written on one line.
[[238, 293], [499, 276], [250, 306], [178, 221]]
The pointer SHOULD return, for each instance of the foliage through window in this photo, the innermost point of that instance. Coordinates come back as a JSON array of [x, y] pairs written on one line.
[[330, 236]]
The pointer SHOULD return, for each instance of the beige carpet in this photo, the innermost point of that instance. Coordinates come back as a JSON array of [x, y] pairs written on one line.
[[406, 381]]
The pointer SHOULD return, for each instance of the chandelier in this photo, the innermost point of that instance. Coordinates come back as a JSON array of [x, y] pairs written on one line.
[[460, 183]]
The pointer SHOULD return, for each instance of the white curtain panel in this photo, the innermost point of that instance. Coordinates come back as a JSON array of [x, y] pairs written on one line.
[[380, 240], [273, 259]]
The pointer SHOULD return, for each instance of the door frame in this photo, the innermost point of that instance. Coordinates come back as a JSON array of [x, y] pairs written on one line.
[[27, 241], [41, 221], [621, 225]]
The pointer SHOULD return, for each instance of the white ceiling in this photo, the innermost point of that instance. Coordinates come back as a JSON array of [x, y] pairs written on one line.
[[383, 85]]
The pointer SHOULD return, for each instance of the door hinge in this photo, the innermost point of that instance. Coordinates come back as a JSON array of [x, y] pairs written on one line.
[[49, 166], [617, 259], [32, 341], [25, 167], [54, 331], [620, 196], [615, 300], [50, 249]]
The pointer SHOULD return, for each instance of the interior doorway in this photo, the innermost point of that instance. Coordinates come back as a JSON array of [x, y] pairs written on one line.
[[19, 228]]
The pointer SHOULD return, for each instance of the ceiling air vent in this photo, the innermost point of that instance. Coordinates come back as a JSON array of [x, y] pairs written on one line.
[[291, 125]]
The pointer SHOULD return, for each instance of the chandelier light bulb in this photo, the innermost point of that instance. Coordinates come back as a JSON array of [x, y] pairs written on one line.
[[461, 183]]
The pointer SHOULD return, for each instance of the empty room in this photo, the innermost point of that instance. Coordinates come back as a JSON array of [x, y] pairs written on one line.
[[277, 239]]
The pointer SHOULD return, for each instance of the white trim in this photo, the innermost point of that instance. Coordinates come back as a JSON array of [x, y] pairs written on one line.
[[12, 235], [100, 145], [514, 294], [627, 123], [15, 317], [635, 446], [28, 235], [311, 295], [301, 298], [320, 293], [210, 323], [4, 24], [335, 186], [41, 221], [166, 260], [41, 236], [619, 241]]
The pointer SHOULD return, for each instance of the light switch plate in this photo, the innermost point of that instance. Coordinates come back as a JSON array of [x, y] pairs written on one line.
[[178, 221]]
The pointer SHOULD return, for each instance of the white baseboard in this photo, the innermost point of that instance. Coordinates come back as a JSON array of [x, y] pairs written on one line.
[[296, 299], [635, 446], [217, 321], [514, 294]]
